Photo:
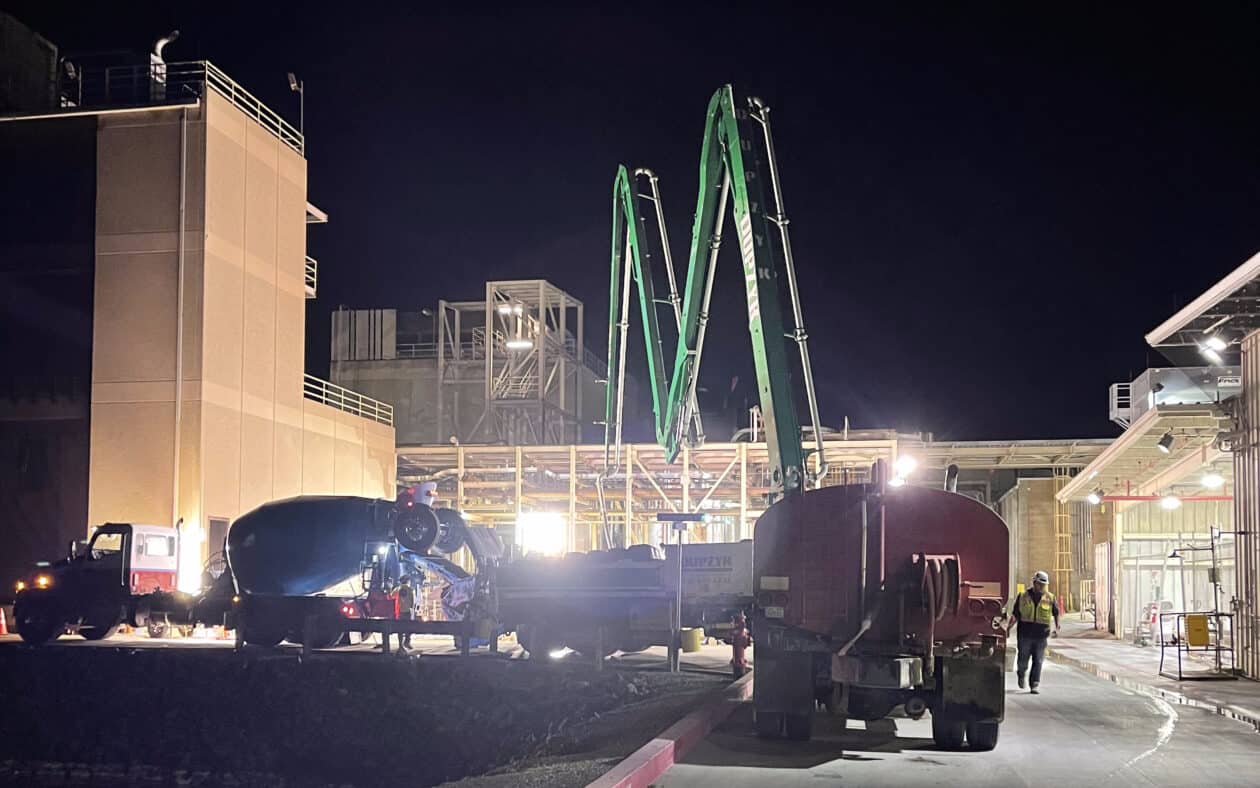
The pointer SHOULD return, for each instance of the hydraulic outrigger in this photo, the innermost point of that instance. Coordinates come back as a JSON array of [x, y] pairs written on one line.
[[732, 163]]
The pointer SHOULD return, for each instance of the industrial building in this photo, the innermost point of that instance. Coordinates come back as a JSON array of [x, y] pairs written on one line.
[[512, 368], [1180, 481], [154, 316]]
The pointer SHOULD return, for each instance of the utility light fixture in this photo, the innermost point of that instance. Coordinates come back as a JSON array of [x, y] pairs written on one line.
[[520, 343], [1095, 497], [1165, 443], [505, 309], [897, 481], [1212, 481], [905, 465], [1170, 502], [1211, 355], [1214, 342]]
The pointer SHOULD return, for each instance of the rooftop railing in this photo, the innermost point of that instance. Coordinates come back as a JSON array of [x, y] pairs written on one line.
[[147, 84], [332, 395]]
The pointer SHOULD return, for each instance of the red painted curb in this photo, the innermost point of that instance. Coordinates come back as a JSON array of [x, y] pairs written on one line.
[[651, 760]]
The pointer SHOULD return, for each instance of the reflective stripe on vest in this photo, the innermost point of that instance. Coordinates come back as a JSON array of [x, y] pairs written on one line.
[[1041, 613]]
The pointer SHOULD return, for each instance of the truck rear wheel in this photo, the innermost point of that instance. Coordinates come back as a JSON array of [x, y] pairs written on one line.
[[948, 733], [982, 735], [798, 727], [769, 724], [37, 621], [100, 624]]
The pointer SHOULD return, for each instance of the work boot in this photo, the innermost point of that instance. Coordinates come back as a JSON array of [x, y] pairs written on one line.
[[1020, 678], [1034, 691]]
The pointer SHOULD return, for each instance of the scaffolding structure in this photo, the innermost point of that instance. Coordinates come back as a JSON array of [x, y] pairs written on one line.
[[497, 484], [516, 358]]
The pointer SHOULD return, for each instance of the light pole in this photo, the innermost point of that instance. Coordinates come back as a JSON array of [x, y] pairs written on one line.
[[298, 86], [679, 521]]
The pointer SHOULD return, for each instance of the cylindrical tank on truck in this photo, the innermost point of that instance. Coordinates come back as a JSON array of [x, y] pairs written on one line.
[[871, 597]]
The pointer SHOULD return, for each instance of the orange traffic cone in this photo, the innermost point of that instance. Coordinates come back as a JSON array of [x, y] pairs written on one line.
[[4, 625]]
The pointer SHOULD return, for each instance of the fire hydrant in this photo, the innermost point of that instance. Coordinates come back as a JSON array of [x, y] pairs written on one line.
[[740, 640]]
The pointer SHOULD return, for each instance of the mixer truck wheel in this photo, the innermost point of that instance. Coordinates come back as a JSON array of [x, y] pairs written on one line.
[[256, 635], [798, 727], [451, 531], [538, 642], [982, 735], [948, 733]]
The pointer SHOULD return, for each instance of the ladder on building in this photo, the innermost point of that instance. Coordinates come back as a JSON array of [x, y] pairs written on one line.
[[1063, 541]]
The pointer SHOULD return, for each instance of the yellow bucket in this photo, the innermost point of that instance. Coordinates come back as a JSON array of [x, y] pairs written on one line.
[[691, 639]]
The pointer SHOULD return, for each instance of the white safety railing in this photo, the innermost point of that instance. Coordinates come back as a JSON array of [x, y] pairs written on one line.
[[1120, 403], [250, 105], [312, 276], [328, 393], [132, 85]]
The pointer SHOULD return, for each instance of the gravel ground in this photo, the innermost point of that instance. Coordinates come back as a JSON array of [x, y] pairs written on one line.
[[146, 717], [604, 741]]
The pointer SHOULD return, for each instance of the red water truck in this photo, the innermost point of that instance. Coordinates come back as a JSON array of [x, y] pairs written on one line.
[[871, 597]]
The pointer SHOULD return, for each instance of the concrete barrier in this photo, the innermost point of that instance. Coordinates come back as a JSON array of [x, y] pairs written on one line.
[[651, 760]]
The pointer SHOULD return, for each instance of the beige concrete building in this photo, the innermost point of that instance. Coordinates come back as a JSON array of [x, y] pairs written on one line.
[[199, 406]]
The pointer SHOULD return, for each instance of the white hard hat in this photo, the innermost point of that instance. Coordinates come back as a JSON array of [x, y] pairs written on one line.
[[1041, 577]]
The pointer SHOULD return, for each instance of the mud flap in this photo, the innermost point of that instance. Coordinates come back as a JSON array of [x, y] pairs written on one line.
[[784, 682], [972, 688]]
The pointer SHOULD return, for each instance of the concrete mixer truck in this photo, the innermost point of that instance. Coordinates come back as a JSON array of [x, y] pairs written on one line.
[[306, 569]]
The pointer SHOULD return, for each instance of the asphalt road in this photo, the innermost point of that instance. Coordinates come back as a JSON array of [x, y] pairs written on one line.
[[1081, 731]]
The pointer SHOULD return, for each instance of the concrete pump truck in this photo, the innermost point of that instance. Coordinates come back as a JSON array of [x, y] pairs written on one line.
[[867, 596]]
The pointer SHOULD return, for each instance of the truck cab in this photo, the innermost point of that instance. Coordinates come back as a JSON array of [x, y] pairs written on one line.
[[92, 590]]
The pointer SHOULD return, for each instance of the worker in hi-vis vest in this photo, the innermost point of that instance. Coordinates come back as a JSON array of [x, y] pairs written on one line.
[[1035, 610]]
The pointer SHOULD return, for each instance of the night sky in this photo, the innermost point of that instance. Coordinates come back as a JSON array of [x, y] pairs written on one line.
[[989, 206]]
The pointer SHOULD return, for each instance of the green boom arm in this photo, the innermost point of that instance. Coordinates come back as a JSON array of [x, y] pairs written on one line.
[[730, 165]]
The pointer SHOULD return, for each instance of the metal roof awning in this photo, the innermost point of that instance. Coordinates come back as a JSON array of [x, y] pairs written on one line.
[[1134, 465], [994, 455], [1231, 308]]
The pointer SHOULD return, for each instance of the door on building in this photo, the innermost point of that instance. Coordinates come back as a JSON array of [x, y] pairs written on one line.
[[218, 545], [1102, 588]]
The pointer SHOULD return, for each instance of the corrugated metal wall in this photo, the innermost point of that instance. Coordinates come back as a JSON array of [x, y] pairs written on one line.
[[1247, 510]]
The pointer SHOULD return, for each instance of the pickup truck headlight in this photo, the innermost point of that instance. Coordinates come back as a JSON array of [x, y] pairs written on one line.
[[43, 581]]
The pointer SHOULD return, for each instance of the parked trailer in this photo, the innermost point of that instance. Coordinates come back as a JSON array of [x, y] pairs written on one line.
[[872, 597], [623, 599]]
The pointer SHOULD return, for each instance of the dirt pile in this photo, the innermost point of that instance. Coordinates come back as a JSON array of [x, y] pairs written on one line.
[[335, 719]]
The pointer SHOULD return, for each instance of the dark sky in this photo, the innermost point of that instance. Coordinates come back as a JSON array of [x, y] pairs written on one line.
[[989, 206]]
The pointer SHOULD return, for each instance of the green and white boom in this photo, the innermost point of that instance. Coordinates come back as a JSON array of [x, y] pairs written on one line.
[[733, 163]]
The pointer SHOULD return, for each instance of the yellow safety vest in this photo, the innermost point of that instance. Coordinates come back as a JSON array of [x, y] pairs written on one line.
[[1042, 613]]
